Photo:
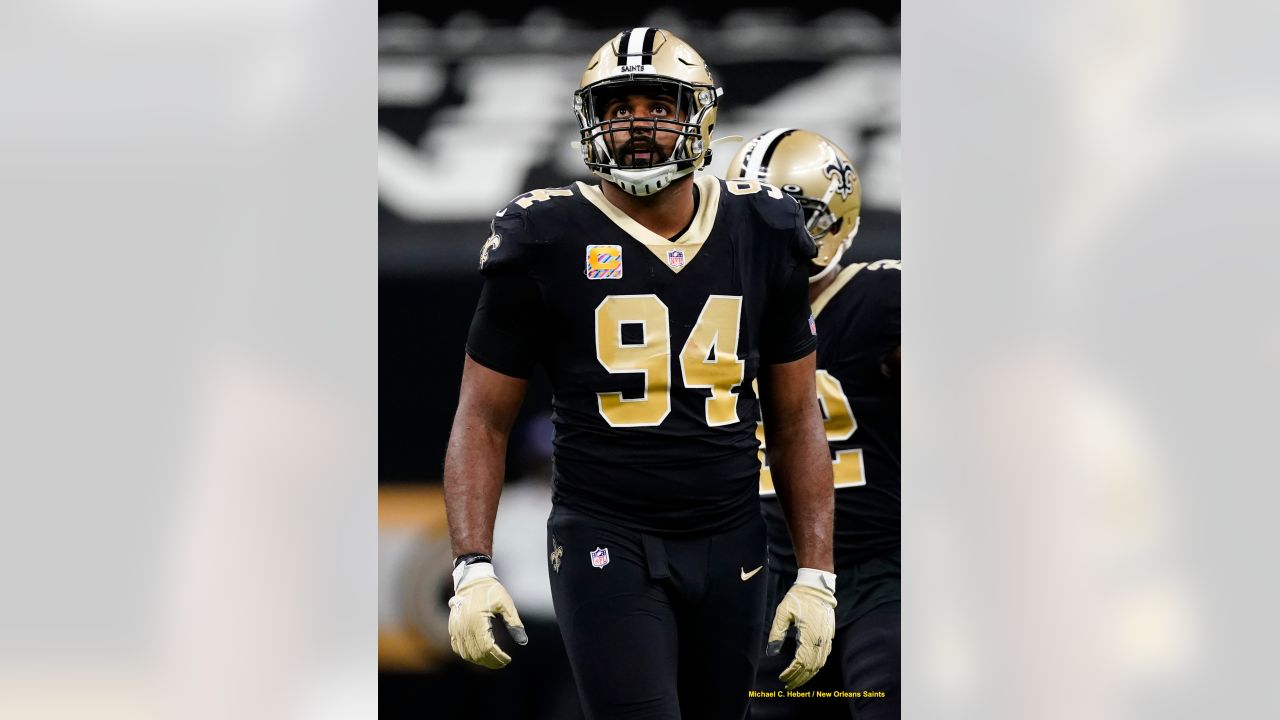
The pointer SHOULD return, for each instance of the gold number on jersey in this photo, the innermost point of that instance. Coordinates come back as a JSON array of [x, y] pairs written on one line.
[[534, 196], [837, 413], [651, 357], [746, 187], [709, 358], [840, 424]]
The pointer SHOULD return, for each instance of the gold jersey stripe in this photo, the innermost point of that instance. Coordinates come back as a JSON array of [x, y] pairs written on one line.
[[841, 280]]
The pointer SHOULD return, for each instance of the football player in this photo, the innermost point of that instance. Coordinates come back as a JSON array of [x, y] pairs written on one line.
[[858, 314], [654, 300]]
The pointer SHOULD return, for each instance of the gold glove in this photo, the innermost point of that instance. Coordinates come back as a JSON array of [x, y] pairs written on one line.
[[810, 605], [478, 596]]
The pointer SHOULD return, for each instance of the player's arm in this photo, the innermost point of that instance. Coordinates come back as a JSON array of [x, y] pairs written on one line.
[[473, 470], [501, 350], [799, 458], [801, 466], [475, 461]]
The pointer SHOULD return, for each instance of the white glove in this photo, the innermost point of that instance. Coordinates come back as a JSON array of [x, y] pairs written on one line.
[[811, 605], [477, 597]]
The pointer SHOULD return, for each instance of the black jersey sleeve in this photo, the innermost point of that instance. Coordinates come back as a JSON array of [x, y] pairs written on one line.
[[803, 248], [511, 246], [885, 304], [507, 328], [508, 325], [788, 332], [783, 214]]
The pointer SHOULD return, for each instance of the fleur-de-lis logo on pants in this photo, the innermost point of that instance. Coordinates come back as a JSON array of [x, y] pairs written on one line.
[[556, 555]]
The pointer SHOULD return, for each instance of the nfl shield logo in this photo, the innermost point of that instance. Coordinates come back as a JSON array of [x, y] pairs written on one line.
[[675, 258], [813, 326], [599, 557]]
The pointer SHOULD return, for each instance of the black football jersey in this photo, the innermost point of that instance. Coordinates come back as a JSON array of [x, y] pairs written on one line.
[[859, 325], [650, 344]]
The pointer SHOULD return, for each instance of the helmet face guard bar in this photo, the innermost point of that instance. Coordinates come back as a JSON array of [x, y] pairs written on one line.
[[818, 217], [612, 156], [601, 153]]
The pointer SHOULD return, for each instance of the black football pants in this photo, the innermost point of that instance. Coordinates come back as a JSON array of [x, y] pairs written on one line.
[[667, 629]]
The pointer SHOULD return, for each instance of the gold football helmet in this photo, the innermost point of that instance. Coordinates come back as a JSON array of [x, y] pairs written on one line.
[[819, 175], [652, 62]]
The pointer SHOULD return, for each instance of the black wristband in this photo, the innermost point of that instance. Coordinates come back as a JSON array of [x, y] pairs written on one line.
[[469, 558]]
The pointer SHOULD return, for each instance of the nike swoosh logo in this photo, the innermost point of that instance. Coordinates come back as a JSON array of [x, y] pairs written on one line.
[[501, 212], [748, 575]]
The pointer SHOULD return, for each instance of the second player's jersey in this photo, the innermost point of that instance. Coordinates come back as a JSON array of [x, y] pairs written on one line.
[[650, 344], [859, 325]]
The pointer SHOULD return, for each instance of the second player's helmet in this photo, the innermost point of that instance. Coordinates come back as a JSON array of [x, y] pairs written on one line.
[[647, 61], [819, 175]]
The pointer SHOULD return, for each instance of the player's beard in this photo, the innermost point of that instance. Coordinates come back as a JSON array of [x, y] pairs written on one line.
[[641, 152]]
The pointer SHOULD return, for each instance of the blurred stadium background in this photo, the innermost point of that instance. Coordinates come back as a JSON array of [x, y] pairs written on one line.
[[474, 109]]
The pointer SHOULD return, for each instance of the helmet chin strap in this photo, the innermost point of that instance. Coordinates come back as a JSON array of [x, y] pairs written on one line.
[[824, 271], [648, 181]]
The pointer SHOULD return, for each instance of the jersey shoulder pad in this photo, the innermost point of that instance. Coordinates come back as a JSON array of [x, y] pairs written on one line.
[[777, 209], [542, 200], [886, 273], [514, 241], [876, 284]]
